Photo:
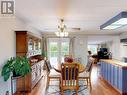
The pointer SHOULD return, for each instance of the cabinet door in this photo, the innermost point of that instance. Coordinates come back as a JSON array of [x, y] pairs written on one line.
[[100, 67], [34, 75], [119, 81], [110, 66], [21, 39], [124, 80], [108, 72], [116, 76], [103, 69], [112, 74]]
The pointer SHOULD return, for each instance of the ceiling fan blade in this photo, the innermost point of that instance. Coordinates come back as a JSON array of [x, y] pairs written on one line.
[[50, 29], [73, 29]]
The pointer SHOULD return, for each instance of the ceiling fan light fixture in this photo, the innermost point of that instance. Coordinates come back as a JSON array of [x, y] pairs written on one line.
[[61, 29], [66, 34], [57, 33]]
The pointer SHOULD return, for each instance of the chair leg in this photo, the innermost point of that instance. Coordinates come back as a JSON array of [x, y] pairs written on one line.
[[90, 84], [48, 81], [76, 92], [62, 92], [87, 82]]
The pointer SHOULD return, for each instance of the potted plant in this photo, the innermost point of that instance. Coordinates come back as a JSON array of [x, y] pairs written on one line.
[[18, 66]]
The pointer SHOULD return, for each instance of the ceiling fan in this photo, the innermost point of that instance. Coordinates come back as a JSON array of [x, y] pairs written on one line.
[[70, 29]]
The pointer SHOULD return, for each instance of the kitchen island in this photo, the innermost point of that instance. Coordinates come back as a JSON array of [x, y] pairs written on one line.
[[115, 73]]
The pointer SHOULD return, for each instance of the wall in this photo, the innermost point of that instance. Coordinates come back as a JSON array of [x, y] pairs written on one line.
[[123, 35], [112, 42], [80, 48], [123, 46], [115, 49], [7, 48], [7, 40], [118, 50], [36, 32]]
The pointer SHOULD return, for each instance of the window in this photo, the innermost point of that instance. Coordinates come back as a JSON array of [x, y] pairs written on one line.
[[93, 48]]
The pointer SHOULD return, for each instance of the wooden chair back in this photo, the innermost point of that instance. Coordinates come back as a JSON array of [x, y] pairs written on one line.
[[89, 68], [69, 77], [48, 65], [87, 75]]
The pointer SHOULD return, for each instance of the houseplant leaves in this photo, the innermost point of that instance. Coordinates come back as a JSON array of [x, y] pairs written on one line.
[[19, 66]]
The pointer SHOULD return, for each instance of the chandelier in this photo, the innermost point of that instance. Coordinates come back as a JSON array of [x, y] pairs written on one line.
[[61, 29]]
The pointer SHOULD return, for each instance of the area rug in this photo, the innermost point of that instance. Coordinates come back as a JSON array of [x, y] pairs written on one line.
[[53, 89]]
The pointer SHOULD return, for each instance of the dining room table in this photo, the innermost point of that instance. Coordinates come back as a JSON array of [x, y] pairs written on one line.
[[81, 67]]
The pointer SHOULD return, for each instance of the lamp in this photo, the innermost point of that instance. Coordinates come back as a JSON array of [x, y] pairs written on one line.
[[116, 22], [61, 29]]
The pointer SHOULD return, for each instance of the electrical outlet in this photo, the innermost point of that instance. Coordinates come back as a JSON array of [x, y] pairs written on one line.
[[7, 93]]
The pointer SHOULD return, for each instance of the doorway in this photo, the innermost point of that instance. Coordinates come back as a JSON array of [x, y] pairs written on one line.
[[57, 49]]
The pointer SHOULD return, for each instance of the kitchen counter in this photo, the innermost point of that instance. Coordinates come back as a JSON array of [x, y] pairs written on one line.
[[115, 73], [115, 62]]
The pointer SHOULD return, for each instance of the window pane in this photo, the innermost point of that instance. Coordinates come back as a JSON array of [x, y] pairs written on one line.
[[65, 46], [65, 49], [53, 46], [53, 49], [93, 48]]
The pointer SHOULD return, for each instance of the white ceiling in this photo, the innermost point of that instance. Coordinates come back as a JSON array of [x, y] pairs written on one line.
[[85, 14]]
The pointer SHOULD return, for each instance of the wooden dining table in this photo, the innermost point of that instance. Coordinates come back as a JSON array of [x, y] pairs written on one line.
[[81, 68]]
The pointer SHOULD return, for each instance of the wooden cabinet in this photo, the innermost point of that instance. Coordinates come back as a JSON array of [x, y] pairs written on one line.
[[21, 43], [27, 44]]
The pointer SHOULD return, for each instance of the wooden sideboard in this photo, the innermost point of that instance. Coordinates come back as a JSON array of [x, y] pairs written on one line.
[[32, 78], [27, 44]]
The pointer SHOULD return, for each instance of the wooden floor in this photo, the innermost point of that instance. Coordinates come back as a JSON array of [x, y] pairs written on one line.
[[99, 87]]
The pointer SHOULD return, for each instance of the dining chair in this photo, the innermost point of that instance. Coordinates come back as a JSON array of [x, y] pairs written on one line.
[[52, 73], [86, 75], [69, 77]]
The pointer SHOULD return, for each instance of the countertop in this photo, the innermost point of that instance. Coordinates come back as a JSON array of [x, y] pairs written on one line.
[[115, 62], [33, 63]]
